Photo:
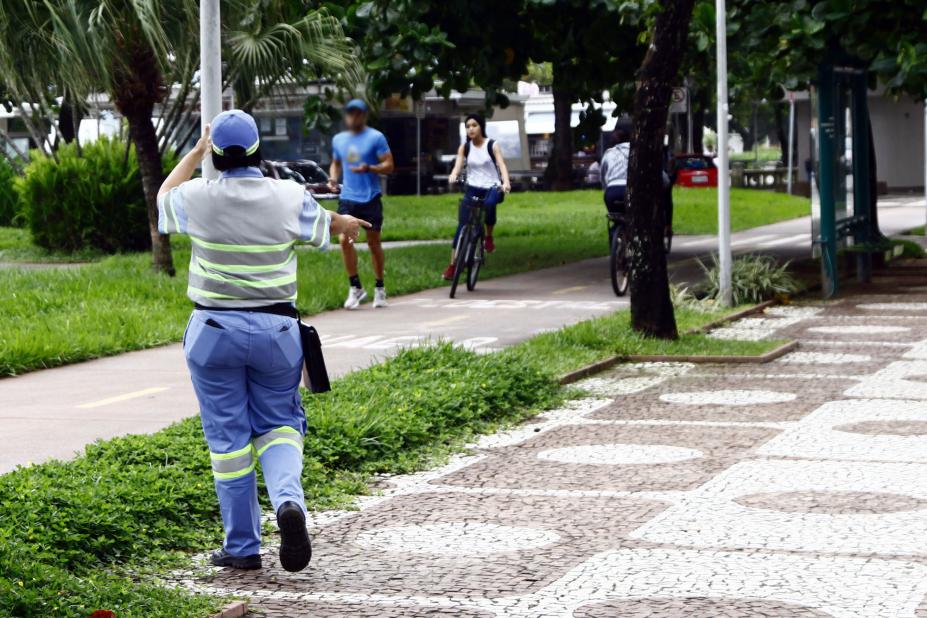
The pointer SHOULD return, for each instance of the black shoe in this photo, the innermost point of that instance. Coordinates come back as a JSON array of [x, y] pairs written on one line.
[[295, 549], [222, 558]]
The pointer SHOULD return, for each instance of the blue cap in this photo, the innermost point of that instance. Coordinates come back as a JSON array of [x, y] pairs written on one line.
[[357, 104], [235, 128]]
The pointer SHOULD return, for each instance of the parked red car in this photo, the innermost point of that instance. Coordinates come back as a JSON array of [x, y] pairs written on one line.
[[696, 170]]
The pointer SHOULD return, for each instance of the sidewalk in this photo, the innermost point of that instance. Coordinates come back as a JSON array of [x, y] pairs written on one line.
[[55, 412], [789, 489]]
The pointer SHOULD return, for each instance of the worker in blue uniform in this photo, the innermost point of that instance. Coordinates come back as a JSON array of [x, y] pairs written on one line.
[[242, 343]]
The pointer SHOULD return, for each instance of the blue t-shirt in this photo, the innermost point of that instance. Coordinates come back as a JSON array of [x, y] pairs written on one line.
[[352, 149]]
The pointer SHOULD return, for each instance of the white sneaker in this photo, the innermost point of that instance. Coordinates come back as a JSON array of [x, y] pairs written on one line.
[[355, 297], [379, 298]]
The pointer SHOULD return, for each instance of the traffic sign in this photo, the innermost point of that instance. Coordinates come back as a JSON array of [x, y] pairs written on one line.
[[679, 101]]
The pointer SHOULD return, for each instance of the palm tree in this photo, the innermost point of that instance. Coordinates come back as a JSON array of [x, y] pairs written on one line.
[[135, 50]]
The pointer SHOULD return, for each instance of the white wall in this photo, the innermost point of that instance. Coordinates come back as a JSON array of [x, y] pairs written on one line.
[[898, 128]]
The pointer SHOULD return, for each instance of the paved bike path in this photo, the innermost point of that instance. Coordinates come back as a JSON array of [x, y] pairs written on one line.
[[54, 413]]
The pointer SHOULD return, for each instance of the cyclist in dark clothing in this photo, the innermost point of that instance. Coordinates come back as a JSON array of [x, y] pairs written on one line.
[[614, 170]]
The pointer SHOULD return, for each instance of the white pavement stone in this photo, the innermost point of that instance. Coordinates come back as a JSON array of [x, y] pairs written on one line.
[[822, 358], [620, 454], [455, 539], [894, 382], [818, 435], [850, 329], [710, 517], [733, 397], [893, 306]]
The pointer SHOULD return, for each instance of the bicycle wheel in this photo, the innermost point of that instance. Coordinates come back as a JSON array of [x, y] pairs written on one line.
[[463, 246], [618, 264], [475, 261]]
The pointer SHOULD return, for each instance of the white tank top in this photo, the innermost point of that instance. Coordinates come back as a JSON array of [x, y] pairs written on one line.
[[481, 171]]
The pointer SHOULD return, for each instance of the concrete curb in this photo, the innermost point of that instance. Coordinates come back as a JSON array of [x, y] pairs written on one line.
[[772, 355], [602, 365], [235, 609], [733, 317]]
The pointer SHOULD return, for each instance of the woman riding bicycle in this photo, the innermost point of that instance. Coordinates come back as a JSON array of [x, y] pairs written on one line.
[[487, 180]]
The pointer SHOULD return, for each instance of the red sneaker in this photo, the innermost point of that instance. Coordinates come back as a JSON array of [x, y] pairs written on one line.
[[489, 245], [448, 273]]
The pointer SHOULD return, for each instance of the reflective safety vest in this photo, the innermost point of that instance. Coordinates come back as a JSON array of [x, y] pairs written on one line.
[[243, 228]]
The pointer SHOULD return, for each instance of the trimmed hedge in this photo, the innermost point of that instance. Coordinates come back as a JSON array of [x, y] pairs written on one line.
[[90, 197], [68, 529], [9, 201]]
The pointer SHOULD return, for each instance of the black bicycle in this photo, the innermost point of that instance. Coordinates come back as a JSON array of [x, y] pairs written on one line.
[[618, 254], [469, 253]]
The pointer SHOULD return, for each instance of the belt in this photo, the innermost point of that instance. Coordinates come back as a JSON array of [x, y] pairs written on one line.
[[284, 309]]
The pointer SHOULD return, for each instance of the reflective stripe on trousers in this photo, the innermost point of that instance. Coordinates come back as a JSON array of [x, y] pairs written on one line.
[[233, 465], [280, 435]]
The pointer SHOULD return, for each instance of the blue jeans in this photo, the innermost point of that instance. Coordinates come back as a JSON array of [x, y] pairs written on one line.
[[615, 198], [490, 199], [246, 368]]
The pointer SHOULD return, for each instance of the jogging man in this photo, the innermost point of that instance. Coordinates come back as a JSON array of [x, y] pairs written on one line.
[[361, 155], [242, 343], [487, 179]]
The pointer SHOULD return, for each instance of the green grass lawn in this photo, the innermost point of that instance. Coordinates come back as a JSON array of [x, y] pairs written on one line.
[[581, 214], [55, 316], [16, 246], [773, 153], [575, 216], [594, 340]]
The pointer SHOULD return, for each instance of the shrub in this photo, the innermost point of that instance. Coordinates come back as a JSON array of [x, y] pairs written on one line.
[[754, 278], [9, 202], [92, 198], [909, 249]]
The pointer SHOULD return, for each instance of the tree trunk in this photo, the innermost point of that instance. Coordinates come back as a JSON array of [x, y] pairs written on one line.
[[559, 174], [136, 91], [700, 103], [69, 118], [745, 133], [781, 133], [651, 307], [143, 135]]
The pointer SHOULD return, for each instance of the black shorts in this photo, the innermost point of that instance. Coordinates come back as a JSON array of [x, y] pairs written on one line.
[[371, 212]]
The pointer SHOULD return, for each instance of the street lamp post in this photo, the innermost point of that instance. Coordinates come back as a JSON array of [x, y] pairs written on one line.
[[210, 71], [724, 172], [791, 139]]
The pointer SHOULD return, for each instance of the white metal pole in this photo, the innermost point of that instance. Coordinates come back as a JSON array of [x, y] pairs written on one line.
[[724, 171], [210, 71], [791, 139]]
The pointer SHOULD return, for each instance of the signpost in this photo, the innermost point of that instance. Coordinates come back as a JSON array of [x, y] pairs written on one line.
[[724, 170], [210, 71]]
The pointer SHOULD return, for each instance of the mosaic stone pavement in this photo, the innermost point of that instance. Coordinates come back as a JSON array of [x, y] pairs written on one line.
[[794, 488]]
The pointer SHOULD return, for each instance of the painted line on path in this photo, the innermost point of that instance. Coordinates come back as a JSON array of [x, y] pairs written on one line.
[[125, 397]]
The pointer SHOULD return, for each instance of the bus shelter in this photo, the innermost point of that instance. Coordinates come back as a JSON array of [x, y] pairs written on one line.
[[841, 190]]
